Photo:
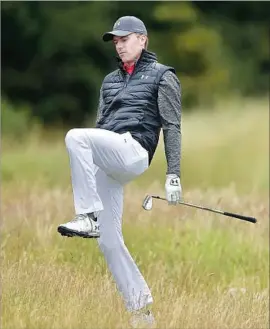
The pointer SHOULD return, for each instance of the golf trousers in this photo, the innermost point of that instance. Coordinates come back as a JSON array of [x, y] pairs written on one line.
[[101, 163]]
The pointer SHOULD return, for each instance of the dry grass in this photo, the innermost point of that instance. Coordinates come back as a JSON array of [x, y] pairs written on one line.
[[195, 263], [204, 270]]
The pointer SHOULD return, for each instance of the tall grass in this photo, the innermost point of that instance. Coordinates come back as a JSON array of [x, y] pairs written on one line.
[[227, 146], [204, 270]]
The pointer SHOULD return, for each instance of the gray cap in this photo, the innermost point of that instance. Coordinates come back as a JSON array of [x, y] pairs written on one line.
[[124, 26]]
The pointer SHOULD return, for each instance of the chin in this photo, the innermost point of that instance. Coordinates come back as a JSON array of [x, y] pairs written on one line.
[[129, 60]]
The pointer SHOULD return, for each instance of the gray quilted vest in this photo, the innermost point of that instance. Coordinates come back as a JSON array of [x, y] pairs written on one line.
[[130, 102]]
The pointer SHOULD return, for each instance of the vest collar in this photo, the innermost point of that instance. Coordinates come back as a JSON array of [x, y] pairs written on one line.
[[145, 58]]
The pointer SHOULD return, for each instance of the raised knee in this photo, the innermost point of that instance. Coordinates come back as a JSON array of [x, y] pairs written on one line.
[[73, 136]]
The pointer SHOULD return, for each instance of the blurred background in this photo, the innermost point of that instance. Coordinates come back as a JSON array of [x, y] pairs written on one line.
[[53, 58], [54, 61]]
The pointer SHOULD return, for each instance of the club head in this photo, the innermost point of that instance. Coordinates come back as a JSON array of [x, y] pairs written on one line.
[[147, 203]]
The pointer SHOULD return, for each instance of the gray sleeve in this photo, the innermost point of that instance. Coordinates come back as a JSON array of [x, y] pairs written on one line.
[[169, 104], [100, 105]]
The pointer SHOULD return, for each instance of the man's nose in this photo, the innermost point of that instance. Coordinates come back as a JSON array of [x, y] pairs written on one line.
[[118, 47]]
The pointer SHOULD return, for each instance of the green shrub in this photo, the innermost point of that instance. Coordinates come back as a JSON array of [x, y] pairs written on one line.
[[16, 123]]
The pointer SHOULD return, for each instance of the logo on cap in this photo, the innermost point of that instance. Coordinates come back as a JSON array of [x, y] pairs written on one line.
[[118, 23]]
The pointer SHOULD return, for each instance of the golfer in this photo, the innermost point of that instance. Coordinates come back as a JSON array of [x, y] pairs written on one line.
[[137, 100]]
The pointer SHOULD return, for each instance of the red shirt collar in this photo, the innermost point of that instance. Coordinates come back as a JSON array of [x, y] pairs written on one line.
[[129, 69]]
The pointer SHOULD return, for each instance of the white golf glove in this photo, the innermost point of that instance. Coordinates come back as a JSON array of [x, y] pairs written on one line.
[[173, 189]]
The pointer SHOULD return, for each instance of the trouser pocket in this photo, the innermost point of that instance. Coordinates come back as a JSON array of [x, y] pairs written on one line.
[[136, 162]]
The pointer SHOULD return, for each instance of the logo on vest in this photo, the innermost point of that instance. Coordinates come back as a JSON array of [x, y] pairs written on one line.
[[144, 77]]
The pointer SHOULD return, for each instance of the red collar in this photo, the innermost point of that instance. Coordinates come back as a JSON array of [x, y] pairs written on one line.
[[129, 69]]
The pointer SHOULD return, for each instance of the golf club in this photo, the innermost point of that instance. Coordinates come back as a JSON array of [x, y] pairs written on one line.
[[148, 205]]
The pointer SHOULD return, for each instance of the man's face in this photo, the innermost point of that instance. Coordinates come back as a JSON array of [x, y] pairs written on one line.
[[129, 47]]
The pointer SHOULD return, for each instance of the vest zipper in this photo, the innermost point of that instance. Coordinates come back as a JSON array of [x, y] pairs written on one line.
[[127, 78]]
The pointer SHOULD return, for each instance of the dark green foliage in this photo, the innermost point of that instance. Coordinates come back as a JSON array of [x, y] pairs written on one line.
[[54, 60]]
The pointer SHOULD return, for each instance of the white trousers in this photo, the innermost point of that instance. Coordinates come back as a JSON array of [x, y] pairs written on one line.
[[101, 163]]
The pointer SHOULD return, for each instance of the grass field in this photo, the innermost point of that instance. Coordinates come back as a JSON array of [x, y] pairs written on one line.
[[204, 270]]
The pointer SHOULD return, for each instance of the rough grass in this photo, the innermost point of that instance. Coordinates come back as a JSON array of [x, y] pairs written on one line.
[[222, 147], [204, 270], [195, 263]]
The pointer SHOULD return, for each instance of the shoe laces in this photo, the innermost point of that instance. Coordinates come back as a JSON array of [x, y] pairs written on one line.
[[79, 217]]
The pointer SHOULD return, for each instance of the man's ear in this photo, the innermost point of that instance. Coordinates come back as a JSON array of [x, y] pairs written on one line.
[[143, 39]]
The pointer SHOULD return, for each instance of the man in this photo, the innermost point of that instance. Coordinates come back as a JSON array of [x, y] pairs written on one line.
[[136, 101]]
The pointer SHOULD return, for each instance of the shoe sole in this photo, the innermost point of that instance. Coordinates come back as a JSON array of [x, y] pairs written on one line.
[[71, 233]]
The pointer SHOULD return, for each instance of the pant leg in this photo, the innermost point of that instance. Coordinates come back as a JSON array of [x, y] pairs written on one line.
[[118, 155], [125, 272]]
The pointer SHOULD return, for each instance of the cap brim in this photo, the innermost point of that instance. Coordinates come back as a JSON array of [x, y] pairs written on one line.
[[108, 36]]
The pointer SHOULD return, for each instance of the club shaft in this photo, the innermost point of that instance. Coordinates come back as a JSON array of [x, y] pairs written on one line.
[[229, 214]]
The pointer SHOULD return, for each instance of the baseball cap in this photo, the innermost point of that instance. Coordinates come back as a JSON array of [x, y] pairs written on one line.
[[124, 26]]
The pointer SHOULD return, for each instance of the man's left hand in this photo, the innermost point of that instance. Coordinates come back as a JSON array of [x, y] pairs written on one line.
[[173, 189]]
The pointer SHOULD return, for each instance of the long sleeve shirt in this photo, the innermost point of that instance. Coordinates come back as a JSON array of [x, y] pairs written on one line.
[[169, 104]]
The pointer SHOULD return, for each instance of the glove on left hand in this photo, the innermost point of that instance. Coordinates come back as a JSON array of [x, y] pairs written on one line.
[[173, 189]]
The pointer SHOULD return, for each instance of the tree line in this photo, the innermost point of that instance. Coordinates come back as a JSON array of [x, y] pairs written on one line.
[[54, 60]]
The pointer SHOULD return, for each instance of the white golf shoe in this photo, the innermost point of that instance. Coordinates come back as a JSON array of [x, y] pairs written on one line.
[[143, 320], [83, 225]]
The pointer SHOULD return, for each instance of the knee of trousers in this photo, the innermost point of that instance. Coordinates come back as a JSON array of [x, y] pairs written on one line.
[[74, 136]]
